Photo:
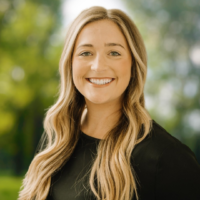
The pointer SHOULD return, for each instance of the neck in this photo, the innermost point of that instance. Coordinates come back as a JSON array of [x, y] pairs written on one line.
[[98, 119]]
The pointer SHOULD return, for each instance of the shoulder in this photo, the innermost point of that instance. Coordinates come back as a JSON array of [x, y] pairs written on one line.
[[177, 170], [159, 141], [163, 162], [158, 144]]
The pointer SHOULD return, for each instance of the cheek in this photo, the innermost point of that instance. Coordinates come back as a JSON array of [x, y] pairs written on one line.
[[78, 73], [124, 75], [77, 70], [124, 71]]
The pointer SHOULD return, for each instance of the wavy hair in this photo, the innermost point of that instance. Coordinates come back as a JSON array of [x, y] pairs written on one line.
[[112, 176]]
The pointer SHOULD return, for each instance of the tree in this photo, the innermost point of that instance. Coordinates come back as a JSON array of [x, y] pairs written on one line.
[[30, 50], [171, 33]]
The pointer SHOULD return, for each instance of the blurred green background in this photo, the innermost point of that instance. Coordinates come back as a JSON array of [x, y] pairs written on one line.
[[31, 41]]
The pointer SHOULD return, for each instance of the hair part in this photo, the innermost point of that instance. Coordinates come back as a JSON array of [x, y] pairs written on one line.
[[111, 177]]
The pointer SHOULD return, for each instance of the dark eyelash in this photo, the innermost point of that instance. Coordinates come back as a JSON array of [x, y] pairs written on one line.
[[118, 54], [82, 54]]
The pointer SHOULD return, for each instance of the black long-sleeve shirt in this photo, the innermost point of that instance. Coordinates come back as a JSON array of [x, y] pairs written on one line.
[[165, 168]]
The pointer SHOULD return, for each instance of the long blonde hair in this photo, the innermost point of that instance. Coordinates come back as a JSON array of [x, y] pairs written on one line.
[[112, 170]]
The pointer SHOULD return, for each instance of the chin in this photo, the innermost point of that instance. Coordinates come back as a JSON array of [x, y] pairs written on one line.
[[97, 100]]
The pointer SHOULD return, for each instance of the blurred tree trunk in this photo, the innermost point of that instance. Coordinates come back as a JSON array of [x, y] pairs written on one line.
[[30, 49]]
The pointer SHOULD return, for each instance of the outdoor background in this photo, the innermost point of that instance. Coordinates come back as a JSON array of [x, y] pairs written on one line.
[[31, 40]]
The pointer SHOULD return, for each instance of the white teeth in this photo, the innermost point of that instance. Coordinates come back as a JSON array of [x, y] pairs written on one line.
[[100, 81]]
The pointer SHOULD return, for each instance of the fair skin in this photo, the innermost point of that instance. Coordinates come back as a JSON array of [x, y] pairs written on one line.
[[101, 55]]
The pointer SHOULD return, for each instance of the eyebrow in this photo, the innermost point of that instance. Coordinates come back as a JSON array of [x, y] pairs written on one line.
[[107, 44], [85, 45], [113, 44]]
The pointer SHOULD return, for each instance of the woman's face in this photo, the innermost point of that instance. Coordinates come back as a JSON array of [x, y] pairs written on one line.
[[101, 62]]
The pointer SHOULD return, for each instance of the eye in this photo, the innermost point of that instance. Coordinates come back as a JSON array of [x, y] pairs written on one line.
[[85, 54], [114, 53]]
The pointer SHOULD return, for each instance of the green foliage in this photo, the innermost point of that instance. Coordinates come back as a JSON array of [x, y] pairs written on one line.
[[9, 187], [171, 33], [30, 52]]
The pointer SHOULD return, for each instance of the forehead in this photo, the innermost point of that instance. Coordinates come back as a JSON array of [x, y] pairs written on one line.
[[101, 31], [100, 25]]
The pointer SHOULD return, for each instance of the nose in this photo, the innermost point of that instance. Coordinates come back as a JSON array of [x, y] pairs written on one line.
[[98, 64]]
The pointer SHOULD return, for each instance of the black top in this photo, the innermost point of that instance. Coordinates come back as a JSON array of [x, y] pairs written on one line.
[[166, 169]]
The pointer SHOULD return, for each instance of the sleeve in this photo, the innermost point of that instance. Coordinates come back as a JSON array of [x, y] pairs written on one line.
[[177, 175]]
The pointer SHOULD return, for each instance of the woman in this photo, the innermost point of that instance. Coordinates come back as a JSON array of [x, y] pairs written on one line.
[[101, 143]]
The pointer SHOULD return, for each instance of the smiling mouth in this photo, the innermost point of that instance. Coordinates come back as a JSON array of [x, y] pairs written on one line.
[[100, 81]]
